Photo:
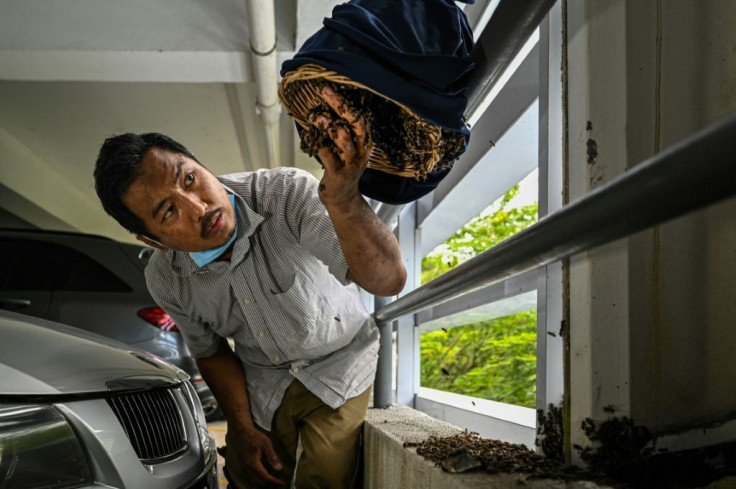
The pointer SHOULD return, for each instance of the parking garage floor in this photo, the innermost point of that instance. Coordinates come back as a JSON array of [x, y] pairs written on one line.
[[218, 429]]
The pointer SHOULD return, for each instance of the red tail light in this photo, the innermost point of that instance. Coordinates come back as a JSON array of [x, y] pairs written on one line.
[[159, 318]]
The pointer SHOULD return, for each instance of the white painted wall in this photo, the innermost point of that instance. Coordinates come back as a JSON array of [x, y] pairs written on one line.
[[683, 310], [76, 71], [133, 25], [652, 317]]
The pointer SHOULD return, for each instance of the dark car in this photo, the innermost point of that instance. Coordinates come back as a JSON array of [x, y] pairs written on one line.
[[85, 411], [96, 284]]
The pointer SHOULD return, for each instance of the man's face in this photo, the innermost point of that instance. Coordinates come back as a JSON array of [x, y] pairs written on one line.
[[181, 203]]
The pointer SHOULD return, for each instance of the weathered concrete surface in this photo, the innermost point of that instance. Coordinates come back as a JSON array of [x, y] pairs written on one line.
[[389, 465]]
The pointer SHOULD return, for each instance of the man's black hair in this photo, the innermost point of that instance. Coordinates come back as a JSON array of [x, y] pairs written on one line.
[[118, 165]]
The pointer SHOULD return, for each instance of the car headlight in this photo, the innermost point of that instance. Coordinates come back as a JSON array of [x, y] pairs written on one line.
[[38, 448], [205, 439]]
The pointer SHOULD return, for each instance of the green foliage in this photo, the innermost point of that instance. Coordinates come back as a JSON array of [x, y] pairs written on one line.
[[478, 235], [494, 359]]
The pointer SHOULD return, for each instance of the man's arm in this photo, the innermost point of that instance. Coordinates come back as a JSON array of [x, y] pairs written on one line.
[[370, 248], [224, 375]]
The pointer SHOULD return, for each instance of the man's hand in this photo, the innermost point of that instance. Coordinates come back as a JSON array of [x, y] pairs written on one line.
[[370, 248], [343, 168], [256, 453], [223, 372]]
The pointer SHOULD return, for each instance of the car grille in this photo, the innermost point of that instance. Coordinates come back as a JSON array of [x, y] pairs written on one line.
[[152, 422]]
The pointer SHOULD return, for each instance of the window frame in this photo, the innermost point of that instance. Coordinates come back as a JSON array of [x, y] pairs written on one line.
[[532, 82]]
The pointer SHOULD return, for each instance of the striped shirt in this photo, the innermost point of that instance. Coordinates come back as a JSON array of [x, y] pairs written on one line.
[[283, 298]]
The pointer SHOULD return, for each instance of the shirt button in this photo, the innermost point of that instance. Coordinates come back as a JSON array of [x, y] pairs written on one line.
[[246, 301], [295, 369], [276, 359], [260, 335]]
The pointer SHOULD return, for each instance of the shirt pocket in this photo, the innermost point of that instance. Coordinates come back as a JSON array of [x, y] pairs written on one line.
[[276, 266], [301, 302], [280, 279]]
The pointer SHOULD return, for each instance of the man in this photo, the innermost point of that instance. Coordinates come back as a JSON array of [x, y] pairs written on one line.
[[266, 259]]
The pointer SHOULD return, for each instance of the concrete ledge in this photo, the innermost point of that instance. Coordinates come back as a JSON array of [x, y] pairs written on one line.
[[389, 465]]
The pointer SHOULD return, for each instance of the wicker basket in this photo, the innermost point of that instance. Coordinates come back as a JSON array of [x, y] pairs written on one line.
[[300, 93]]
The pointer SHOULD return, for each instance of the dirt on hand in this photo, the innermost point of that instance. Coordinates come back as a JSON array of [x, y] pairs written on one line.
[[409, 143]]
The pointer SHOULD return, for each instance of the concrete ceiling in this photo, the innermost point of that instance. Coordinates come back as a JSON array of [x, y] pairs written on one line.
[[74, 72]]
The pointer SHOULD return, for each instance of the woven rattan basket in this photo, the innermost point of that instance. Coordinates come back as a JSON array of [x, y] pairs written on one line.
[[300, 93]]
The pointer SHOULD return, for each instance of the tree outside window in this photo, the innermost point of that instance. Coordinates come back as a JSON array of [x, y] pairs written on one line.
[[492, 358]]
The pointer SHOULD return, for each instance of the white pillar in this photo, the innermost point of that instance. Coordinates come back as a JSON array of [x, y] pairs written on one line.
[[651, 316]]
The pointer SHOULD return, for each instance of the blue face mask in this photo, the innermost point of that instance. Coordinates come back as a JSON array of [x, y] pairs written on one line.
[[202, 258]]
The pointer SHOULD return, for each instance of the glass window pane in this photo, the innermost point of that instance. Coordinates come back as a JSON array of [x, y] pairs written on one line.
[[512, 213], [21, 270], [494, 356], [7, 251], [71, 270], [489, 352]]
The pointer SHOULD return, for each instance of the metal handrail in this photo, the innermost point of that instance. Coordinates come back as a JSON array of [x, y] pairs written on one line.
[[503, 37], [690, 175], [509, 28]]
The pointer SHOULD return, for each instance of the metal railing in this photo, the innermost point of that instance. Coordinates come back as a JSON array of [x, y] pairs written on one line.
[[503, 37], [690, 175], [509, 27]]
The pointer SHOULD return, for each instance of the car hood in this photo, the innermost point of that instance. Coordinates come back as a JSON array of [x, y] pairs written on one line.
[[40, 357]]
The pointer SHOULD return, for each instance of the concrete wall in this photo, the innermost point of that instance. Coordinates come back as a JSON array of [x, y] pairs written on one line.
[[683, 312], [652, 317], [389, 465]]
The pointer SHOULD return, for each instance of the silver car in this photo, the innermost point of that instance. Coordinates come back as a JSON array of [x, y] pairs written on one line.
[[96, 284], [78, 410]]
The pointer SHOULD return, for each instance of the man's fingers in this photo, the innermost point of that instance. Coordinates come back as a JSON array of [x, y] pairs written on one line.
[[351, 139], [358, 125], [320, 121], [272, 458], [329, 159], [361, 130], [339, 134], [259, 472], [338, 104], [257, 456], [344, 140]]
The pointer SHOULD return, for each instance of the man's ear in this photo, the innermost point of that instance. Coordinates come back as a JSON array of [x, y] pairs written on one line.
[[150, 242]]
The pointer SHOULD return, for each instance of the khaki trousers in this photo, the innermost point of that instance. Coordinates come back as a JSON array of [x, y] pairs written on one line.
[[330, 440]]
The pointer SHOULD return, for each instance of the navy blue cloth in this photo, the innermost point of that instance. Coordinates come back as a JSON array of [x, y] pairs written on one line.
[[416, 52]]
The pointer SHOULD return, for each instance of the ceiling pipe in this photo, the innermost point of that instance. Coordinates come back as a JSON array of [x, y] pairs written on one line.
[[262, 28], [389, 214]]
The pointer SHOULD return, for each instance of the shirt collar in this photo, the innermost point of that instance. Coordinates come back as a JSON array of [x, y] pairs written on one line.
[[248, 223]]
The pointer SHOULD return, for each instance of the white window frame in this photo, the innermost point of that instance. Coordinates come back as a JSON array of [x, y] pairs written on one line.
[[484, 173]]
